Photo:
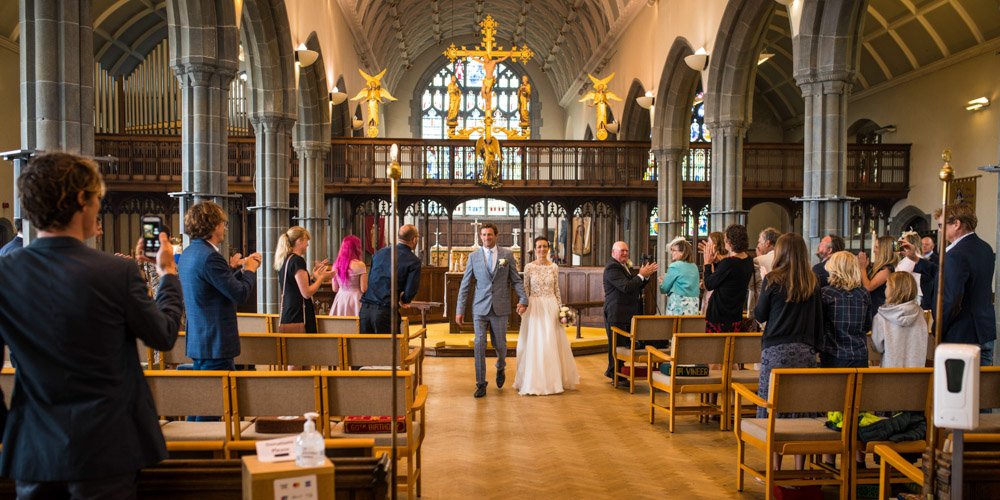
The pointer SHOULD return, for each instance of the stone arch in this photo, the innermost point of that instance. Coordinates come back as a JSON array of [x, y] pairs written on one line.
[[588, 134], [733, 63], [267, 43], [635, 124], [313, 124], [910, 217], [768, 214], [202, 33], [340, 118], [678, 84], [827, 45]]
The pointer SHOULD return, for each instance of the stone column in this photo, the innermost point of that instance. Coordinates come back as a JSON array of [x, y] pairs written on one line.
[[727, 174], [668, 201], [204, 94], [271, 185], [338, 212], [57, 80], [632, 223], [825, 204], [311, 203]]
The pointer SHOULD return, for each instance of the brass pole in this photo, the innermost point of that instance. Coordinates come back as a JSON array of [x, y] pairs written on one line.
[[946, 175], [394, 172]]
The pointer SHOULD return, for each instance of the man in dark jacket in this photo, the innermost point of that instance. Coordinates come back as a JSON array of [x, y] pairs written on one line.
[[622, 295], [376, 303], [82, 420]]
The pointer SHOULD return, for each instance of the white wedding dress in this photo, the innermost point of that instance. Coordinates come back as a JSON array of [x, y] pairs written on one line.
[[545, 363]]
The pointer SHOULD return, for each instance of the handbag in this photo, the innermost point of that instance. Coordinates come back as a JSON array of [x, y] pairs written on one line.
[[290, 327]]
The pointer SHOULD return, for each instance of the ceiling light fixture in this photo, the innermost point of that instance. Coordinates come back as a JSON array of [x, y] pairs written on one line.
[[978, 104], [697, 61]]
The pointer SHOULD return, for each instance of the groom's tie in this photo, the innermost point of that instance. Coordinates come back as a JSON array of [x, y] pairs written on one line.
[[489, 260]]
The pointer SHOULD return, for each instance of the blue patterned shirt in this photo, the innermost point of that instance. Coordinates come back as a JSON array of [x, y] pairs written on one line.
[[846, 322]]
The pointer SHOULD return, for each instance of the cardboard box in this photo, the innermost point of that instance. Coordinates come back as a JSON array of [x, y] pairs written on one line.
[[286, 481]]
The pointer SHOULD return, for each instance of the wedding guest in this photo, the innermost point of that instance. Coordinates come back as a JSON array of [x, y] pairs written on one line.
[[829, 245], [846, 316], [82, 421], [928, 246], [16, 243], [213, 288], [680, 284], [877, 271], [899, 330], [350, 278], [294, 283], [376, 312], [912, 261], [622, 297], [728, 281], [716, 242]]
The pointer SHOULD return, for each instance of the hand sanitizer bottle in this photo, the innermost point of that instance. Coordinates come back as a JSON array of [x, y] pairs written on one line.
[[309, 446]]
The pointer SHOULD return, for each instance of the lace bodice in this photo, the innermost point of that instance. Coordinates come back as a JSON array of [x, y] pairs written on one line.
[[542, 280]]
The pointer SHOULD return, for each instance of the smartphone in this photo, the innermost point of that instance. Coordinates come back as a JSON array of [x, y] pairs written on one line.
[[152, 225]]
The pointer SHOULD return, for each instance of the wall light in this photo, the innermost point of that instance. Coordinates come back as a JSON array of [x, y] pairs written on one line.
[[646, 101], [978, 104], [337, 97], [697, 61], [305, 57], [764, 56], [357, 123], [611, 127]]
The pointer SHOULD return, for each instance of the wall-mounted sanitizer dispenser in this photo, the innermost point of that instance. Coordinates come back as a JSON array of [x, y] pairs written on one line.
[[956, 386]]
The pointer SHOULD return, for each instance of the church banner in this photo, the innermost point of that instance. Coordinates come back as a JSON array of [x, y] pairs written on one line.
[[963, 190]]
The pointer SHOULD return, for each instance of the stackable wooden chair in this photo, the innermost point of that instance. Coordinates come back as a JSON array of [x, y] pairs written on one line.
[[270, 394], [338, 324], [690, 324], [744, 352], [260, 349], [644, 329], [184, 393], [254, 323], [177, 355], [688, 349], [313, 349]]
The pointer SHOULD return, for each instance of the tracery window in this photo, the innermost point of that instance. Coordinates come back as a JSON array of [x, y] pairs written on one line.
[[698, 131], [434, 100], [696, 165]]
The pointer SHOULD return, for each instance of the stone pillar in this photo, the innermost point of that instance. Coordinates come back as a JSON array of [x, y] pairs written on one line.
[[57, 80], [204, 90], [271, 185], [727, 174], [312, 215], [338, 212], [668, 201], [825, 207], [636, 220]]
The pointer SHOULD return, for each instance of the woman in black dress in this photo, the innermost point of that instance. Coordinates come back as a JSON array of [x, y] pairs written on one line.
[[290, 262], [727, 280]]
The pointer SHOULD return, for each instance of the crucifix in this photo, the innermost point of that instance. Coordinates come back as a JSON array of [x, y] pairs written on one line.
[[475, 231], [515, 233], [437, 238]]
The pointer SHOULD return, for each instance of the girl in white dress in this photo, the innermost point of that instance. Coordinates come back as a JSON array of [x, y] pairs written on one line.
[[545, 363]]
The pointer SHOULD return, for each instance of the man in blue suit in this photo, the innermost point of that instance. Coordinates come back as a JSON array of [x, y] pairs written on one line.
[[213, 289], [375, 315], [82, 420], [968, 316]]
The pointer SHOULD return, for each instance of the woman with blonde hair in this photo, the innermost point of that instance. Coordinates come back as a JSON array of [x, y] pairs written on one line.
[[875, 273], [899, 330], [297, 311], [846, 316], [350, 278], [680, 284]]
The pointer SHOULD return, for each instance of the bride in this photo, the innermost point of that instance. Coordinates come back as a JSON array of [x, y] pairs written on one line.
[[545, 362]]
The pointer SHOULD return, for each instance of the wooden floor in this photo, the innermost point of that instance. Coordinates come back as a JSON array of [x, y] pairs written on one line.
[[594, 442]]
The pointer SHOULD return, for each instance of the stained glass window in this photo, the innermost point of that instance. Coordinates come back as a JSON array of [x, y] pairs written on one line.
[[469, 74], [698, 131], [654, 217]]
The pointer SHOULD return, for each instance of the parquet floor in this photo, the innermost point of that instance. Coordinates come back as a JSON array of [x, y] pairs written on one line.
[[594, 442]]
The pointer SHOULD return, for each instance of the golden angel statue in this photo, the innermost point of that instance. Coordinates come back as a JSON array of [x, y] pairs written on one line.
[[523, 98], [488, 148], [454, 99], [373, 93], [600, 95]]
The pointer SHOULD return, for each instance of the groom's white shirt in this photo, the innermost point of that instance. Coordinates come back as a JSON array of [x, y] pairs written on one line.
[[491, 260]]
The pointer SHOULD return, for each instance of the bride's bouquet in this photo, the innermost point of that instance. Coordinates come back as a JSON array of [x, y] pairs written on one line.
[[567, 316]]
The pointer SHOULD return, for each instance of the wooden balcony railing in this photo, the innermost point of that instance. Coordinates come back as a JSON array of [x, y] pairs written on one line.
[[536, 164]]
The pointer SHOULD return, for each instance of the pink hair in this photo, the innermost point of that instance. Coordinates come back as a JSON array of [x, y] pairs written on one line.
[[350, 249]]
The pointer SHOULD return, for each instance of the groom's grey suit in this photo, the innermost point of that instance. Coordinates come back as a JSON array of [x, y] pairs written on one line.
[[491, 304]]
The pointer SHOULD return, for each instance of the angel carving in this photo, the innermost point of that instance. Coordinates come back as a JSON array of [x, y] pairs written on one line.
[[488, 148], [600, 95], [373, 93]]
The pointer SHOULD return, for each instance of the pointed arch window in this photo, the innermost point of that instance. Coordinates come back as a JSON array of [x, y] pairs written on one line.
[[469, 74]]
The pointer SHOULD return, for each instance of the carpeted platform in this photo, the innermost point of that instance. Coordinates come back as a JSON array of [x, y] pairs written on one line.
[[441, 343]]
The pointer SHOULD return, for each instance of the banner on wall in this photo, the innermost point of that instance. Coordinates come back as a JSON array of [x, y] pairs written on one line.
[[963, 190], [581, 235], [374, 233]]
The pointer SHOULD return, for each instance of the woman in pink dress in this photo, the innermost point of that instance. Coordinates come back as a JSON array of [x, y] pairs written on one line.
[[350, 278]]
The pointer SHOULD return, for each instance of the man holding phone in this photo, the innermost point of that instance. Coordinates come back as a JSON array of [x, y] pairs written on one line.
[[213, 288]]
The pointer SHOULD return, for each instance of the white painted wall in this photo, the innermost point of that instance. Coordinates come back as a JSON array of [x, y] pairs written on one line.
[[929, 112]]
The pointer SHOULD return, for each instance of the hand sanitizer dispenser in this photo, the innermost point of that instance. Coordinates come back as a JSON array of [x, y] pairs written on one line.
[[309, 446], [956, 386]]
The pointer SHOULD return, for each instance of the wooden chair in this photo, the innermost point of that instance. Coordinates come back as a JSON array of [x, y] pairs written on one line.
[[891, 460], [254, 323], [313, 349], [989, 398], [337, 324], [145, 354], [794, 390], [687, 349], [175, 356], [889, 390], [270, 394], [260, 349], [744, 349], [690, 324], [369, 393], [7, 385], [644, 329], [184, 393]]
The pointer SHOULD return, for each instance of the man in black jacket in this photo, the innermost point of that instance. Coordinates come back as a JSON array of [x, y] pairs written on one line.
[[82, 420], [622, 295]]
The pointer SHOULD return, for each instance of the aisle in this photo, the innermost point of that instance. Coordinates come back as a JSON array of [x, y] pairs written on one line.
[[594, 442]]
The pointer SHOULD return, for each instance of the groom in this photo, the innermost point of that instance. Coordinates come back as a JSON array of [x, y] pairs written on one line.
[[495, 273]]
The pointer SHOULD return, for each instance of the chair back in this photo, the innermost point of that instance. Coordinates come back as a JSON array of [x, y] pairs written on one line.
[[989, 387], [367, 393], [337, 324], [259, 349], [145, 353], [177, 354], [188, 392], [699, 348], [805, 390], [746, 347], [894, 389], [275, 394], [372, 350], [647, 328], [690, 324], [313, 349], [7, 385], [253, 323]]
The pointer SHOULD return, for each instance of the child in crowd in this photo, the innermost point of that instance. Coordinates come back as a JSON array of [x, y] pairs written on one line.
[[899, 330]]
